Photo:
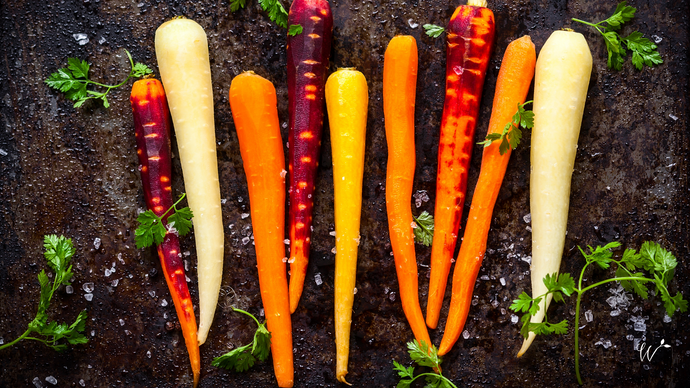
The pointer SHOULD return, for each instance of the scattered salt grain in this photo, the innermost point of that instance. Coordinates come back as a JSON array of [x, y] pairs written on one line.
[[223, 201], [412, 24], [81, 39], [245, 240], [285, 259], [108, 272], [148, 354], [186, 253], [291, 261], [589, 316], [630, 337], [88, 287], [527, 218], [69, 289], [413, 225], [127, 332], [244, 215], [667, 319], [187, 279], [102, 40], [286, 241], [93, 333], [152, 293], [88, 297], [317, 279], [527, 259], [605, 343], [638, 323], [465, 334], [615, 313], [122, 322], [514, 318], [37, 382], [420, 197], [355, 291], [674, 117], [82, 382], [3, 152], [97, 243], [261, 312], [333, 250], [51, 380], [164, 303], [503, 281], [2, 341], [657, 39], [332, 232], [391, 296], [283, 173], [484, 277], [186, 265]]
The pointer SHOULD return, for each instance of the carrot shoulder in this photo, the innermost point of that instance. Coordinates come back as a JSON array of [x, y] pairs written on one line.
[[514, 80], [347, 99], [399, 88], [470, 35], [254, 110], [308, 54], [152, 131]]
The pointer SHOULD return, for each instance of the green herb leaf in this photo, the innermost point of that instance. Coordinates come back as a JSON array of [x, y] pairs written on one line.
[[295, 29], [181, 220], [139, 70], [150, 230], [424, 232], [80, 69], [242, 358], [237, 4], [423, 356], [522, 303], [512, 134], [622, 14], [276, 12], [563, 283], [433, 30]]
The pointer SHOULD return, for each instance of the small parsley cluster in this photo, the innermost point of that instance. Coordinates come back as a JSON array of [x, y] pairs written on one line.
[[242, 358], [433, 30], [424, 232], [511, 135], [423, 356], [58, 253], [276, 12], [643, 50], [74, 79], [652, 258], [152, 230]]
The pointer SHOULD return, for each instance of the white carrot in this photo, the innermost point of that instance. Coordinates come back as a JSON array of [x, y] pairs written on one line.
[[560, 89], [182, 53]]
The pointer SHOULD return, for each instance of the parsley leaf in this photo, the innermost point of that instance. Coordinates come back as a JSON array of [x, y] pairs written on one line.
[[151, 229], [295, 29], [58, 253], [423, 356], [242, 358], [512, 134], [276, 12], [643, 50], [424, 232], [433, 30], [237, 4], [74, 79]]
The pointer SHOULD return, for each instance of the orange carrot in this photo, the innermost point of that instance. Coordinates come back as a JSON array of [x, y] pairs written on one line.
[[514, 79], [470, 37], [399, 87], [152, 131], [254, 110]]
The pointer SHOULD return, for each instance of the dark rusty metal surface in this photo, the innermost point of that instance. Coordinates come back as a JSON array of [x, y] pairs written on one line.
[[74, 172]]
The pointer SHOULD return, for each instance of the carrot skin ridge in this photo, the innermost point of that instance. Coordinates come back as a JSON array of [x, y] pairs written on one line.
[[255, 113], [470, 36], [399, 88], [152, 131], [308, 55], [512, 86]]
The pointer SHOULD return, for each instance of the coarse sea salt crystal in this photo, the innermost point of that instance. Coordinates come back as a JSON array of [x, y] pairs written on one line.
[[317, 279], [3, 152], [245, 240], [244, 215], [514, 318], [503, 281], [527, 218], [69, 289], [97, 243], [81, 39], [465, 334], [148, 353], [589, 316], [88, 287], [37, 382], [88, 297], [122, 322], [164, 303], [82, 382]]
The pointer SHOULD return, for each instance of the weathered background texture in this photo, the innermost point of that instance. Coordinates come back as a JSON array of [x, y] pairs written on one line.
[[74, 172]]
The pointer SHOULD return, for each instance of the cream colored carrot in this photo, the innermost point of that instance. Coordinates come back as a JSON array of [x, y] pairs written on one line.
[[182, 53], [560, 90], [346, 101]]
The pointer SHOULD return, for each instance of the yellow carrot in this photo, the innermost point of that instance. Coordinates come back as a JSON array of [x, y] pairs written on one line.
[[182, 53], [347, 99]]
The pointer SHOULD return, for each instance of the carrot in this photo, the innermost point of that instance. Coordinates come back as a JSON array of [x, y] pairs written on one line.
[[399, 87], [152, 131], [470, 35], [346, 101], [514, 79], [560, 90], [254, 110], [308, 54], [182, 53]]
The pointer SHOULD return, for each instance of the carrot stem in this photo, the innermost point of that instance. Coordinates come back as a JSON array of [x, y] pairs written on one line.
[[512, 85]]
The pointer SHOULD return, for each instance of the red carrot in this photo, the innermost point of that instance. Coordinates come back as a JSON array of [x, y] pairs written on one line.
[[514, 79], [470, 35], [254, 110], [307, 63], [152, 131]]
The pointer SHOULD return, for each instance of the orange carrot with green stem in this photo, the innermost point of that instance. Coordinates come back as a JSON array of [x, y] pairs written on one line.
[[399, 88], [255, 112], [470, 35], [152, 131], [514, 80]]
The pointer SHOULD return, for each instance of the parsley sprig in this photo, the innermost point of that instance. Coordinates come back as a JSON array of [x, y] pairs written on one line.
[[423, 356], [242, 358], [424, 232], [433, 30], [511, 135], [643, 50], [58, 253], [652, 258], [74, 79], [276, 12], [152, 230]]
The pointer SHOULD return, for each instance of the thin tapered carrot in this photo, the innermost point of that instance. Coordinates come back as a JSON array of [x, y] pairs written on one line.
[[308, 54], [254, 110], [399, 88], [152, 131], [470, 35], [514, 79], [347, 98]]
